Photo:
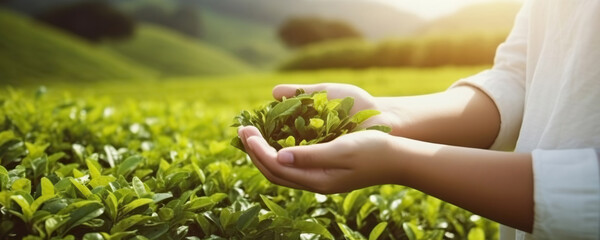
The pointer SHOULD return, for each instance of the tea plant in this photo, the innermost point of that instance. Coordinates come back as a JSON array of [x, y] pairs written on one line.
[[108, 168]]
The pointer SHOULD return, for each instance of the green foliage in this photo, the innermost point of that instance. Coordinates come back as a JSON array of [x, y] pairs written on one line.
[[299, 32], [158, 166], [173, 54], [35, 52], [304, 119], [425, 51]]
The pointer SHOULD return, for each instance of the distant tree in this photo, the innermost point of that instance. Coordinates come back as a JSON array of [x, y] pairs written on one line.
[[92, 20], [298, 32], [151, 13], [185, 19]]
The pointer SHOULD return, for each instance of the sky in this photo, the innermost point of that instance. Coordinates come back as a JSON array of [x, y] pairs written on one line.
[[430, 9]]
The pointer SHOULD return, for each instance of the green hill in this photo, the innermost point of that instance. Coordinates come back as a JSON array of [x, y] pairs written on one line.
[[482, 17], [175, 55], [255, 43], [33, 52]]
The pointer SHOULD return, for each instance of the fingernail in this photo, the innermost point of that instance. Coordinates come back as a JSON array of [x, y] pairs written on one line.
[[285, 157]]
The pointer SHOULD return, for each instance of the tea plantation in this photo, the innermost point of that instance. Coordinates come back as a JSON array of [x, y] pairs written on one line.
[[117, 160]]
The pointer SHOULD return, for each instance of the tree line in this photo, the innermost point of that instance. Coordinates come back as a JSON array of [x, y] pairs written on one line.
[[425, 51], [99, 20]]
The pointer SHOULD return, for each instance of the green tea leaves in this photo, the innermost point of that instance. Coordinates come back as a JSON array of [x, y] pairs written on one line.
[[162, 170], [304, 119]]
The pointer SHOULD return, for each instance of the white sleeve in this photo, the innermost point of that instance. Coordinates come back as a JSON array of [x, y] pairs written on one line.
[[504, 83], [566, 194]]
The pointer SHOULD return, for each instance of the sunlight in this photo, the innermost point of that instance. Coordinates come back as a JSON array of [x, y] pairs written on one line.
[[430, 9]]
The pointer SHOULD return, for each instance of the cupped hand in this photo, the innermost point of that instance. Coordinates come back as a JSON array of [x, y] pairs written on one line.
[[362, 99], [349, 162]]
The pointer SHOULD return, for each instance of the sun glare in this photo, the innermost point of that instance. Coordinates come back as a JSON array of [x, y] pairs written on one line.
[[430, 9]]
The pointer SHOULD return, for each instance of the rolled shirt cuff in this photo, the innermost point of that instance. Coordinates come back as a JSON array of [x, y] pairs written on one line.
[[566, 194]]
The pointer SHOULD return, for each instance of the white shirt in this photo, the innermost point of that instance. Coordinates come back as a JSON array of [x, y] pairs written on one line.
[[546, 84]]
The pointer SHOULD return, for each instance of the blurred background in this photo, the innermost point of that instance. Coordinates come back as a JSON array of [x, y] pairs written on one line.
[[43, 41]]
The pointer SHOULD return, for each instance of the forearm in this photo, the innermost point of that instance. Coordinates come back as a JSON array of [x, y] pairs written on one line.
[[461, 116], [496, 185]]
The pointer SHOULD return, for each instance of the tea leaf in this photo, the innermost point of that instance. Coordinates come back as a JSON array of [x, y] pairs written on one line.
[[25, 208], [283, 109], [363, 115], [312, 227], [129, 222], [135, 204], [199, 171], [349, 233], [476, 234], [350, 201], [377, 231], [39, 201], [248, 217], [94, 172], [84, 213], [274, 207], [112, 204], [22, 185], [128, 165], [344, 107], [316, 123], [288, 142], [82, 189], [381, 128], [138, 187]]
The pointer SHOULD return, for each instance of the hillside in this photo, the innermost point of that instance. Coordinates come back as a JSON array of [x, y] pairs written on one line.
[[253, 42], [172, 54], [486, 17], [373, 19], [32, 51]]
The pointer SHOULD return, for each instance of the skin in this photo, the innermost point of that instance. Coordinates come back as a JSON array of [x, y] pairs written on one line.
[[436, 146]]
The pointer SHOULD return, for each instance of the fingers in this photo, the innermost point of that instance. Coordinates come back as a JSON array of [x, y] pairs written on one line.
[[260, 151], [325, 155], [268, 161], [289, 90]]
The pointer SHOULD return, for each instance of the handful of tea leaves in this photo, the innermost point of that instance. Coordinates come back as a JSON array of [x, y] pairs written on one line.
[[304, 119]]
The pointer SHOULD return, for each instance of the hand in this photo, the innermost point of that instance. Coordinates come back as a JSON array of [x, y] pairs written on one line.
[[362, 99], [349, 162]]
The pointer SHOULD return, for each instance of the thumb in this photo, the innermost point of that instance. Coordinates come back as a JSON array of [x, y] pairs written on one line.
[[289, 90], [322, 155]]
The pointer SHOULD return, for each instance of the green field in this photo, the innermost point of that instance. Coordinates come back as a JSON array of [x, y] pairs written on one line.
[[256, 88], [152, 160]]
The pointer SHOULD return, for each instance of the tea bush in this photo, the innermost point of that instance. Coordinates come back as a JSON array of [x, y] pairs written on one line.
[[109, 168]]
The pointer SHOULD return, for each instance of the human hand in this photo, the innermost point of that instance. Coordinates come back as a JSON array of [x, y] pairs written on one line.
[[362, 99], [352, 161]]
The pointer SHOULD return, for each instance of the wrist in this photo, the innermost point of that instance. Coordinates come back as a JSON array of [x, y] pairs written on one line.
[[398, 158], [391, 114], [406, 157]]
